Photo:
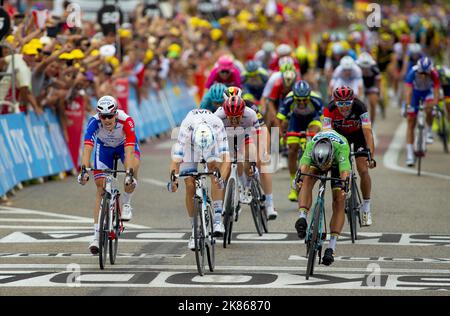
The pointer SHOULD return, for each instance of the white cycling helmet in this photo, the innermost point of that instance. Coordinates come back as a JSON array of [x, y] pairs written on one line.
[[284, 50], [203, 138], [414, 48], [337, 49], [268, 47], [285, 60], [347, 63], [107, 105], [365, 60]]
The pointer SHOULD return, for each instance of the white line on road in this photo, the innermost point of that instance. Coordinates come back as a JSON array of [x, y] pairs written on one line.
[[185, 268], [390, 158], [67, 219], [154, 182]]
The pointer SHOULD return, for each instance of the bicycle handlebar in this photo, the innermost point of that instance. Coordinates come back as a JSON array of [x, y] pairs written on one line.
[[108, 171]]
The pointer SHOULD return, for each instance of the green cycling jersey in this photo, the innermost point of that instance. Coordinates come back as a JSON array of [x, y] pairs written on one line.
[[341, 156]]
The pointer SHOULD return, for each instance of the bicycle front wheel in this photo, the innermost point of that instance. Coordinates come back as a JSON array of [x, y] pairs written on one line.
[[104, 232], [114, 240], [199, 237], [211, 241], [229, 212], [255, 206], [313, 240]]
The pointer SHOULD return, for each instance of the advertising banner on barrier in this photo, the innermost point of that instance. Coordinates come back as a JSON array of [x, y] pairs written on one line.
[[122, 93], [75, 113], [31, 146]]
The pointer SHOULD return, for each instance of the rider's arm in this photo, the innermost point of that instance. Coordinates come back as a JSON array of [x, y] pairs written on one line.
[[367, 131], [284, 109], [89, 141], [327, 119], [130, 142], [409, 86]]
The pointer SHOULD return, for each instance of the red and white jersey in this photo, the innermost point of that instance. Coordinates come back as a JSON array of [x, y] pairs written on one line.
[[122, 134]]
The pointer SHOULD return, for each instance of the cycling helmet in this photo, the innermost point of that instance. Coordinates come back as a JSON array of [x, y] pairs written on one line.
[[325, 36], [202, 137], [347, 62], [343, 93], [405, 39], [225, 63], [337, 49], [286, 60], [424, 65], [252, 66], [301, 53], [107, 105], [216, 92], [268, 47], [414, 49], [365, 60], [288, 78], [231, 92], [284, 50], [301, 89], [322, 154], [234, 106]]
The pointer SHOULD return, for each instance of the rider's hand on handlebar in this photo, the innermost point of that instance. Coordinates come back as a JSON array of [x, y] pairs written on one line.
[[172, 186], [371, 163], [83, 178]]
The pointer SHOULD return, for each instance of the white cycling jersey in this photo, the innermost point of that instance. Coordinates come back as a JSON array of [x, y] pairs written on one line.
[[271, 83], [183, 150], [354, 81]]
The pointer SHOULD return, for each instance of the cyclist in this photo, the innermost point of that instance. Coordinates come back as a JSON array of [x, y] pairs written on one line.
[[112, 132], [283, 50], [349, 117], [201, 136], [421, 83], [303, 108], [225, 72], [235, 115], [213, 99], [372, 81], [444, 78], [328, 150], [266, 54], [254, 79], [349, 74]]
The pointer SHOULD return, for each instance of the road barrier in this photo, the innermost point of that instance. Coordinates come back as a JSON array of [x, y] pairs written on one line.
[[33, 146]]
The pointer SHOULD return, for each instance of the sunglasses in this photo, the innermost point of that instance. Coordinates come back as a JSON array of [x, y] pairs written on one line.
[[107, 116], [344, 103], [225, 72]]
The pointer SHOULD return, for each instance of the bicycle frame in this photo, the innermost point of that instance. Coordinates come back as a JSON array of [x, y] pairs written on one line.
[[233, 176]]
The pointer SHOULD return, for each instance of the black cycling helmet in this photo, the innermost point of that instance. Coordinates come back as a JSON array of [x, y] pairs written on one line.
[[322, 154]]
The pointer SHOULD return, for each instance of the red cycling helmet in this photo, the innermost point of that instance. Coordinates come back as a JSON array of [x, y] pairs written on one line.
[[405, 39], [343, 93], [234, 106]]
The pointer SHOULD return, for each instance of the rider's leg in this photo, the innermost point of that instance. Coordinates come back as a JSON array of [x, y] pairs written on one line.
[[373, 102], [217, 194], [366, 182], [429, 119], [99, 183], [293, 157], [338, 217], [411, 124]]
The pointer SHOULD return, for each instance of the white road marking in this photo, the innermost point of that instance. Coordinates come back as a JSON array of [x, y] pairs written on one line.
[[390, 158], [154, 182], [88, 255], [379, 259], [218, 269], [63, 218], [263, 237]]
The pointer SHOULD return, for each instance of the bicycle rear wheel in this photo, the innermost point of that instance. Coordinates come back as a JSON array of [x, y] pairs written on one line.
[[104, 232], [229, 212], [210, 240], [255, 206], [114, 241], [313, 241]]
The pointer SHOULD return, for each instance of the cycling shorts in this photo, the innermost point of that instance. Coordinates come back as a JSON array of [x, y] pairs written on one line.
[[104, 157], [299, 124], [371, 90], [335, 185], [446, 91], [417, 96]]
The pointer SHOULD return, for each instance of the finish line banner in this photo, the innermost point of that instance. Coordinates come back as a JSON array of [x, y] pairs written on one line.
[[31, 146]]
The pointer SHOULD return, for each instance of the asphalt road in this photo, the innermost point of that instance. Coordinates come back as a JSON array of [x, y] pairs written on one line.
[[45, 229]]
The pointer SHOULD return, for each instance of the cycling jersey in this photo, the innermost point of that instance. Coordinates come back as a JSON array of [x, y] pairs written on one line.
[[280, 91], [255, 84], [341, 149], [122, 134], [356, 120], [419, 83], [291, 106], [249, 121], [108, 144], [353, 81], [233, 80], [370, 77], [184, 149]]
